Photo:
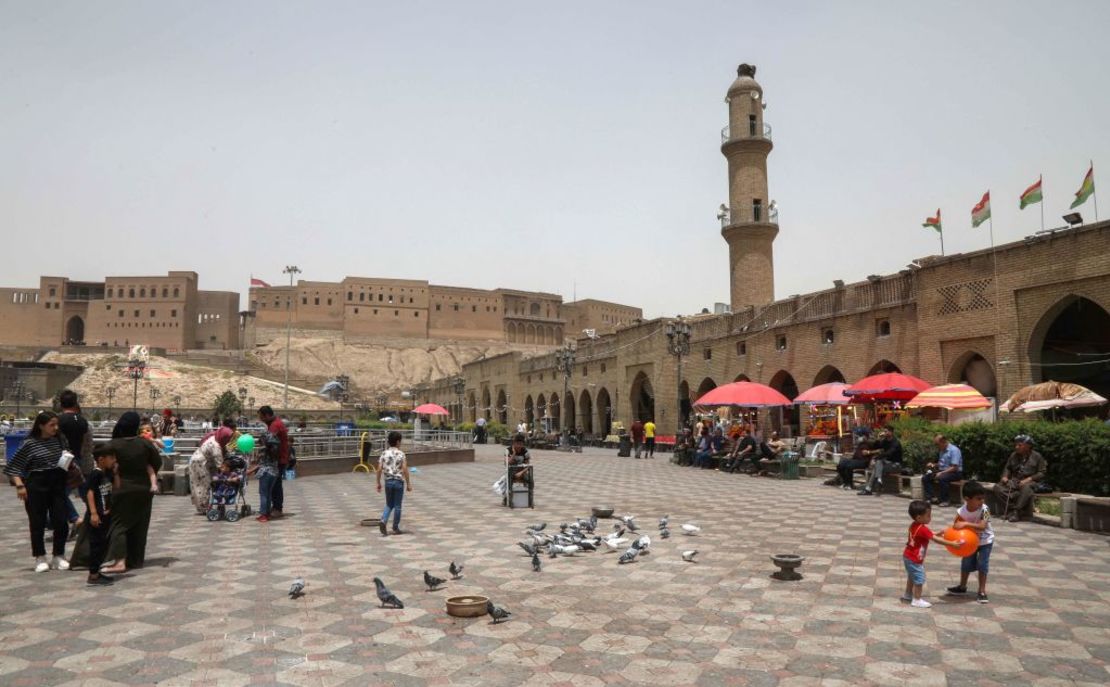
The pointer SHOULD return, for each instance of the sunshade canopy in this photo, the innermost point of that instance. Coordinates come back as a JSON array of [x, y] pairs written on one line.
[[744, 395], [831, 394], [430, 409], [950, 396], [888, 386]]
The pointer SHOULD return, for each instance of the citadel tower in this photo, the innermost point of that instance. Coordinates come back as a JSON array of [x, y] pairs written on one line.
[[749, 224]]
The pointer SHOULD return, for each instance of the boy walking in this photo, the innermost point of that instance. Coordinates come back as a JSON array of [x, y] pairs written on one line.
[[913, 556], [975, 515], [97, 494], [395, 469]]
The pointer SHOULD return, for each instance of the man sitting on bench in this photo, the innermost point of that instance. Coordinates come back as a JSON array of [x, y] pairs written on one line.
[[771, 451], [887, 456], [860, 459], [939, 475], [1024, 468], [744, 449]]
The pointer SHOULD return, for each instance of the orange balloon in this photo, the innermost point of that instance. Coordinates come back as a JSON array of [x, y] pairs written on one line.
[[969, 541]]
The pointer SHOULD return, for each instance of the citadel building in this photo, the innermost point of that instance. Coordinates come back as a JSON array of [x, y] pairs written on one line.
[[999, 319]]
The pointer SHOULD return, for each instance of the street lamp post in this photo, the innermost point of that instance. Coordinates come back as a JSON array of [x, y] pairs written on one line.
[[291, 270], [154, 394], [460, 388], [135, 372], [382, 400], [242, 403], [111, 393], [250, 406], [17, 389], [564, 357], [678, 345]]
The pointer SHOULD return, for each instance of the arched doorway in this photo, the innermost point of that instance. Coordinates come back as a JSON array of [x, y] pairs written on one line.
[[472, 406], [827, 375], [1068, 342], [530, 412], [974, 370], [742, 378], [502, 408], [586, 411], [570, 420], [541, 413], [511, 331], [75, 330], [685, 407], [882, 367], [486, 403], [783, 382], [705, 387], [642, 398], [553, 411], [604, 412]]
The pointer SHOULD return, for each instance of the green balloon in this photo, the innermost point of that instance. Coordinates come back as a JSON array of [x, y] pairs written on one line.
[[246, 443]]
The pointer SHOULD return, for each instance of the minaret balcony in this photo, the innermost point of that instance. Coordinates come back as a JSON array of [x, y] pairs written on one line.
[[741, 133], [746, 216]]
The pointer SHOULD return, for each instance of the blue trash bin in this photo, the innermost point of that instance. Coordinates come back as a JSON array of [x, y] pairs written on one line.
[[345, 429], [12, 442]]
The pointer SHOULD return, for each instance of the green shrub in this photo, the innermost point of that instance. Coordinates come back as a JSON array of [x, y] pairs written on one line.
[[1077, 451]]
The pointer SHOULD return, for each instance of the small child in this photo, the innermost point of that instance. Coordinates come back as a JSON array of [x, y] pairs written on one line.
[[976, 515], [97, 494], [146, 431], [225, 485], [913, 557]]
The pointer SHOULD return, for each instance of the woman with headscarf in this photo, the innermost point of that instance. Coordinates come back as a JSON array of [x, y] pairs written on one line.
[[131, 496], [40, 482], [204, 463]]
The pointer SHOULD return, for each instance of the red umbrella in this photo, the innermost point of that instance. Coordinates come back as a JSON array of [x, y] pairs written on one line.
[[889, 386], [831, 394], [743, 394], [430, 409]]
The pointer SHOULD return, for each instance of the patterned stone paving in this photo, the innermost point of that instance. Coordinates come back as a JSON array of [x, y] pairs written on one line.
[[210, 608]]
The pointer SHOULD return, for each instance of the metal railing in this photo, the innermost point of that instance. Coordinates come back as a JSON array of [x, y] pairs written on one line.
[[753, 130], [749, 215]]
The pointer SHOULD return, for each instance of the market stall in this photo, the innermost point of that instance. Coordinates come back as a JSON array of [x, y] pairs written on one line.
[[882, 397], [826, 415]]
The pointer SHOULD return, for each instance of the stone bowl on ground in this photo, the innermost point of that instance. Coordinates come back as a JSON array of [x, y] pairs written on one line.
[[467, 606], [602, 511], [787, 564], [370, 522]]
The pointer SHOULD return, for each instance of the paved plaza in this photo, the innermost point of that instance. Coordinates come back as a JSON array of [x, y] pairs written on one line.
[[211, 608]]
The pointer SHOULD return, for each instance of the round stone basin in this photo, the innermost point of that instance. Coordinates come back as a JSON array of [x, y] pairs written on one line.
[[467, 606], [787, 564], [602, 511]]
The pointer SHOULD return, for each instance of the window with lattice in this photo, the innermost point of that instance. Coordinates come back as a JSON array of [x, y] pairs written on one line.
[[965, 297]]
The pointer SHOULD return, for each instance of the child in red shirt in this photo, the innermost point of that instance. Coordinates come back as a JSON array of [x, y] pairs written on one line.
[[913, 556]]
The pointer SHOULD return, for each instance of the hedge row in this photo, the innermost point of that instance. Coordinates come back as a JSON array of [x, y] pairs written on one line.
[[1077, 452]]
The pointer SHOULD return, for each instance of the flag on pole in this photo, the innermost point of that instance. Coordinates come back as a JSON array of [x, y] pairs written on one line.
[[981, 212], [258, 282], [1086, 189], [1031, 195], [933, 222]]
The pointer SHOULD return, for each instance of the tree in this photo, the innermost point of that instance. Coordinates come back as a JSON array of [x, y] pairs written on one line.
[[227, 405]]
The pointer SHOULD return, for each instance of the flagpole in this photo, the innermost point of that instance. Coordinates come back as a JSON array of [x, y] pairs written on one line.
[[1094, 192], [1040, 180], [941, 232]]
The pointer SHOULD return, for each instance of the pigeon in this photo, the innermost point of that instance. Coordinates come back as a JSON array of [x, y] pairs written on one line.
[[552, 553], [664, 533], [296, 590], [628, 556], [632, 526], [663, 522], [568, 550], [536, 565], [688, 556], [538, 528], [563, 528], [432, 582], [593, 523], [587, 545], [690, 528], [496, 612], [386, 596], [529, 549], [627, 518], [539, 539], [642, 544], [456, 570]]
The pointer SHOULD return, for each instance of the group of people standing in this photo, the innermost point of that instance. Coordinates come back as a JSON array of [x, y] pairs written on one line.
[[115, 480]]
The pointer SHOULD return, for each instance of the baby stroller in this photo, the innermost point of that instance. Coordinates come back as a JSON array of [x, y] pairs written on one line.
[[228, 499]]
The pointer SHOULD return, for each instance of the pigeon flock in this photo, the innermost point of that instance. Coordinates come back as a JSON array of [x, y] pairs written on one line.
[[572, 538], [581, 536]]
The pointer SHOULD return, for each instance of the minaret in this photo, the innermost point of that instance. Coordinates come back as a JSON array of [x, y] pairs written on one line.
[[747, 224]]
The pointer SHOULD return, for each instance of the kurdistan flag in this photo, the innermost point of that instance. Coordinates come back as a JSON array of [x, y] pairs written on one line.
[[981, 212], [933, 222], [1085, 189], [1031, 195]]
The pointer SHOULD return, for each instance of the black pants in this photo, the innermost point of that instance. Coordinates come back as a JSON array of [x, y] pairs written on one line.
[[277, 494], [846, 467], [46, 496], [98, 542], [130, 522]]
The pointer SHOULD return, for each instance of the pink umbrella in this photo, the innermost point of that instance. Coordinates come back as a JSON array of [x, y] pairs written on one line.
[[430, 409], [889, 386], [831, 394], [744, 395]]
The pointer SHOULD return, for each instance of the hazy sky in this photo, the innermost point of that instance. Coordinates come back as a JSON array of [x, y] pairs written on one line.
[[530, 145]]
